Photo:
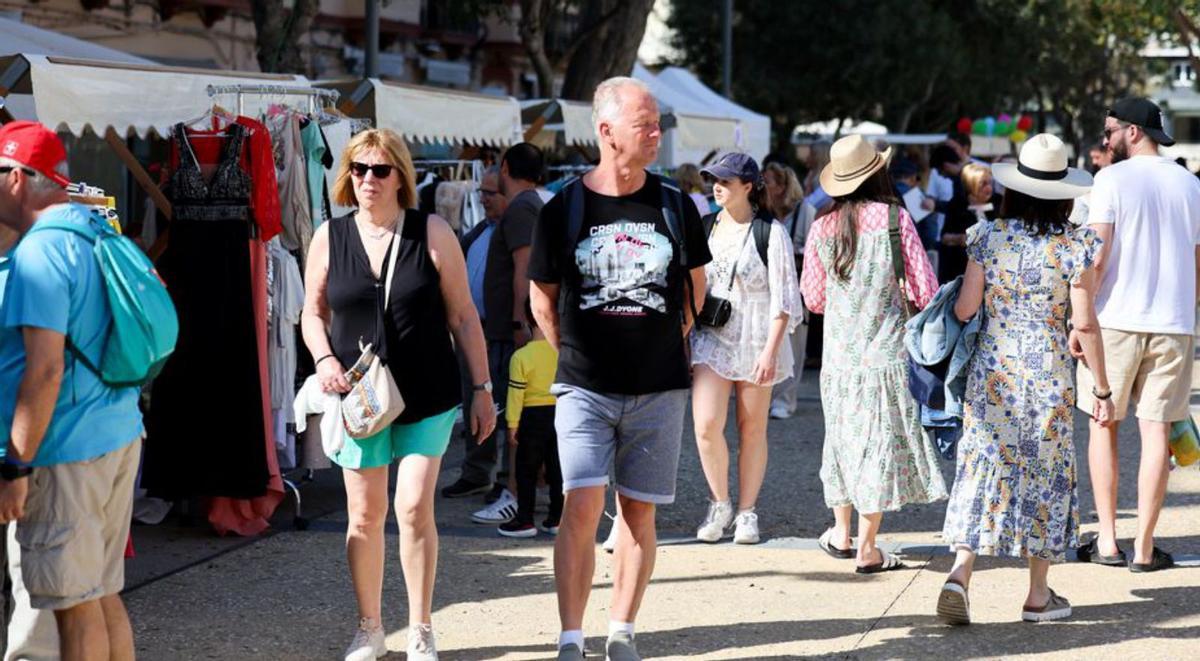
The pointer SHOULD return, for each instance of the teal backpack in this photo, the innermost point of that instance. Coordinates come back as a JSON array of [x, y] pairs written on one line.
[[144, 324]]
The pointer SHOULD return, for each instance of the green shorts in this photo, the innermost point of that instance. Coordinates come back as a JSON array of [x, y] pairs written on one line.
[[428, 437]]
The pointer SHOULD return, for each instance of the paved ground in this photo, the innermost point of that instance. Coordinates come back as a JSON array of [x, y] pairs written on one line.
[[287, 595]]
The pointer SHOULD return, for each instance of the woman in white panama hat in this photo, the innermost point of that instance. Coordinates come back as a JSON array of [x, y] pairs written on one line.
[[1014, 490], [876, 457]]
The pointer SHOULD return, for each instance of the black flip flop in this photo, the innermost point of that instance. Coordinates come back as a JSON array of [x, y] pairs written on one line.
[[827, 546], [1159, 559], [1087, 553], [889, 563]]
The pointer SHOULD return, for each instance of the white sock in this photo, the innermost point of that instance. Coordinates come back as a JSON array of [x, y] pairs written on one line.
[[620, 627], [568, 637]]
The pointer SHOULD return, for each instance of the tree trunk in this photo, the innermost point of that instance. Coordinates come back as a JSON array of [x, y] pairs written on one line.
[[612, 48], [534, 16], [278, 33]]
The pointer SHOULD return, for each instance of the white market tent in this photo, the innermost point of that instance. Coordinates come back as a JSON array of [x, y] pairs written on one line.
[[829, 130], [699, 130], [18, 37], [754, 129], [571, 118], [432, 114]]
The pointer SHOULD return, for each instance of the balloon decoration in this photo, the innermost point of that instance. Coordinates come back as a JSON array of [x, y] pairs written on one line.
[[964, 125], [1025, 123], [979, 127], [1018, 136], [989, 124], [1015, 128]]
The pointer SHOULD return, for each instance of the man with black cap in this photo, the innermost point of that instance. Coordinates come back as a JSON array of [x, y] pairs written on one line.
[[1147, 210], [71, 441]]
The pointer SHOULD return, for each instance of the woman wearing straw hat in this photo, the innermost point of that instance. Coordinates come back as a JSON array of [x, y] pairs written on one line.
[[876, 457], [1014, 490]]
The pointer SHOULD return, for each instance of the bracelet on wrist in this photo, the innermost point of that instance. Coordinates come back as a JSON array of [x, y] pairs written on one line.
[[328, 355], [1102, 396]]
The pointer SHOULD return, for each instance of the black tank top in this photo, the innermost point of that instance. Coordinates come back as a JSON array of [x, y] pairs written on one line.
[[415, 342]]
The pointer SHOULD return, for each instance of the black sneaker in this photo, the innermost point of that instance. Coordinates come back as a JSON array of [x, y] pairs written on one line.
[[549, 526], [463, 488], [494, 494], [516, 528]]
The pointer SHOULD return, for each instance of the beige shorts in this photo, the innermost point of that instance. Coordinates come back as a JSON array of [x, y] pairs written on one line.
[[76, 527], [1152, 370]]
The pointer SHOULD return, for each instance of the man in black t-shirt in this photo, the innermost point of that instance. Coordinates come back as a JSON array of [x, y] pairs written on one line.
[[623, 373]]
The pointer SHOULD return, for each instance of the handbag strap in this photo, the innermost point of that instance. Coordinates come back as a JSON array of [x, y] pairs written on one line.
[[738, 258], [898, 256], [388, 272]]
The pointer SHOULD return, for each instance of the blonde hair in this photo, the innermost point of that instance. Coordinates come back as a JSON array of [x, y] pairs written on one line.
[[688, 176], [972, 177], [391, 144], [793, 192]]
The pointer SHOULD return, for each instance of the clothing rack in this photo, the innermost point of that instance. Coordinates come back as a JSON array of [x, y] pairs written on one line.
[[313, 93]]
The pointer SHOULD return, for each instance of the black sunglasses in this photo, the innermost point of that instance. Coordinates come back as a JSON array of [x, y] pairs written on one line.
[[5, 169], [483, 192], [381, 171], [1109, 131]]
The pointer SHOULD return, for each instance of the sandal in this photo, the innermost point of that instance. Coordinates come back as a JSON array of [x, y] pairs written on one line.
[[889, 562], [1088, 553], [826, 544], [1159, 559], [1056, 608], [953, 607]]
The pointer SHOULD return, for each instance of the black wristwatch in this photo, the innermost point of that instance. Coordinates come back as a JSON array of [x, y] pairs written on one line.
[[486, 386], [10, 472], [519, 325]]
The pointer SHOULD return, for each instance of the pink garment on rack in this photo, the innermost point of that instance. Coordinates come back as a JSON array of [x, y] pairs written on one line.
[[248, 517]]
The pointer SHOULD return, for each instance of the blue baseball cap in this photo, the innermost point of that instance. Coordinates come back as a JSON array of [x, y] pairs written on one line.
[[735, 165]]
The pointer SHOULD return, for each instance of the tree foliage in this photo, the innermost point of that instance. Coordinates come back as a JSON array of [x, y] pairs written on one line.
[[918, 65]]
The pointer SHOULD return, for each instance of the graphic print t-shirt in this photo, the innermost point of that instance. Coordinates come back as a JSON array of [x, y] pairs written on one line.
[[621, 329]]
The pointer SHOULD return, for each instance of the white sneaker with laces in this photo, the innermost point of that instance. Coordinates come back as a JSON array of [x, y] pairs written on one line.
[[746, 531], [779, 413], [421, 644], [368, 643], [501, 511], [720, 514]]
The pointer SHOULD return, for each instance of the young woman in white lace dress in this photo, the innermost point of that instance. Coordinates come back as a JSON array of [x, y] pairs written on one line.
[[749, 354]]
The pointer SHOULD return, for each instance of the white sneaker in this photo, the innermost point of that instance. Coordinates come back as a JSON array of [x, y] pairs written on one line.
[[780, 413], [610, 542], [501, 511], [720, 514], [746, 531], [421, 644], [368, 643]]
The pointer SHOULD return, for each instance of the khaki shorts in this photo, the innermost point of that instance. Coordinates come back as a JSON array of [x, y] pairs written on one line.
[[1152, 370], [76, 527]]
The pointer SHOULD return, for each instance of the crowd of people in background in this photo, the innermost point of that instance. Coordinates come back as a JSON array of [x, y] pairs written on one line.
[[595, 315]]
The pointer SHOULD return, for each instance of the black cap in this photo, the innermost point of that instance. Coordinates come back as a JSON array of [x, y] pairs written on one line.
[[1145, 114], [735, 165]]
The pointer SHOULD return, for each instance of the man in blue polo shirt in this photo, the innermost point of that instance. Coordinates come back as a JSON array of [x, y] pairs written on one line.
[[72, 442]]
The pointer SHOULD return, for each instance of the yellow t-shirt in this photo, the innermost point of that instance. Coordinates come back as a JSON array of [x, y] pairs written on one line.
[[530, 375]]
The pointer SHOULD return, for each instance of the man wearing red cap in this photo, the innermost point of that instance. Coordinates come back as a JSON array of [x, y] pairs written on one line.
[[71, 443]]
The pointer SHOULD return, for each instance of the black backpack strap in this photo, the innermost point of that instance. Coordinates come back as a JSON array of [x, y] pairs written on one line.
[[762, 236], [672, 211], [572, 193]]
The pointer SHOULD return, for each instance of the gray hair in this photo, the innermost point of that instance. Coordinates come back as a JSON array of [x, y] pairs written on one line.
[[606, 102], [39, 183]]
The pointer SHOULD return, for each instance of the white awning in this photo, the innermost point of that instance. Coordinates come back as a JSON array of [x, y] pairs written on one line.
[[572, 118], [17, 37], [435, 115], [74, 95]]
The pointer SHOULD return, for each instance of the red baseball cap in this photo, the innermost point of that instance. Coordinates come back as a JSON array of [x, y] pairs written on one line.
[[36, 147]]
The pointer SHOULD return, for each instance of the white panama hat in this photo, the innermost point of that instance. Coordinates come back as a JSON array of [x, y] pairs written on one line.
[[1041, 171]]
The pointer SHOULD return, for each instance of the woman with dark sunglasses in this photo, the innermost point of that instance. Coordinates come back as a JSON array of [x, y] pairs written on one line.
[[344, 307]]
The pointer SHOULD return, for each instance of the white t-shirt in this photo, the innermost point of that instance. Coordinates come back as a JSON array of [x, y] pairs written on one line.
[[1149, 285]]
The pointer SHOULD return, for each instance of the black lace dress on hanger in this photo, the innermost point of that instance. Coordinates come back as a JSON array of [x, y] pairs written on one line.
[[205, 423]]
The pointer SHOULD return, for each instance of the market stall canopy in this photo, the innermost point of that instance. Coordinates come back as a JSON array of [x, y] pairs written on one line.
[[829, 130], [74, 95], [754, 128], [572, 118], [17, 37], [699, 129], [431, 114]]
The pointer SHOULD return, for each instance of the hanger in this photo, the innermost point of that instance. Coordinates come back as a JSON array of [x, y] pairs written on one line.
[[220, 118]]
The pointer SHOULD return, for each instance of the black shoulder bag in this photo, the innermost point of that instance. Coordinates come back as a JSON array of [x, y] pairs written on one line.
[[717, 310]]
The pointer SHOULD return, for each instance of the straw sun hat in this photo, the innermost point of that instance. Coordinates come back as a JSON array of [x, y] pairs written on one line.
[[852, 160], [1041, 171]]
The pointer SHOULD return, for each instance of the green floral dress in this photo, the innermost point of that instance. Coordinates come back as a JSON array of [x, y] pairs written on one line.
[[876, 455], [1014, 489]]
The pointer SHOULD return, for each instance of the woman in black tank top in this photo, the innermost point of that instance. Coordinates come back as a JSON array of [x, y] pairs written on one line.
[[429, 302]]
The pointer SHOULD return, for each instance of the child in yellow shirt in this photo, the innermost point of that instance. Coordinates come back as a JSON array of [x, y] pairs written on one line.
[[530, 416]]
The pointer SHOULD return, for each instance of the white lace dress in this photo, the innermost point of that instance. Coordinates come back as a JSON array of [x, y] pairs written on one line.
[[760, 293]]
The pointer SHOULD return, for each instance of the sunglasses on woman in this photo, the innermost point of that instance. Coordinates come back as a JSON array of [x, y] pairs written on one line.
[[381, 171]]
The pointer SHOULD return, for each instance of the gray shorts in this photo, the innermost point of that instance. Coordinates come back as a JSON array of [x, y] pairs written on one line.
[[639, 435]]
